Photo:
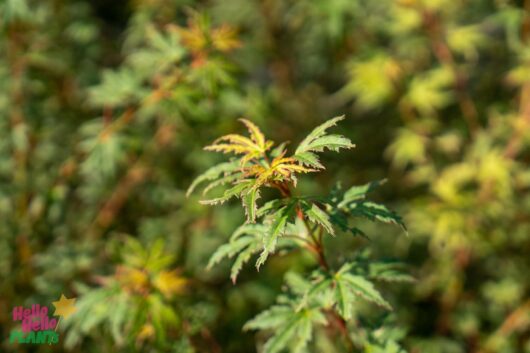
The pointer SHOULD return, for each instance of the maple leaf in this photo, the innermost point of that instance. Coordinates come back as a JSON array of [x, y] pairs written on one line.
[[251, 148]]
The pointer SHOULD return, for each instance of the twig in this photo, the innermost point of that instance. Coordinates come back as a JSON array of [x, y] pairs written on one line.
[[518, 319], [514, 144], [444, 55]]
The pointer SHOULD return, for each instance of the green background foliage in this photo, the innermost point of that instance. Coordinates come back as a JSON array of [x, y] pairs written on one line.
[[105, 107]]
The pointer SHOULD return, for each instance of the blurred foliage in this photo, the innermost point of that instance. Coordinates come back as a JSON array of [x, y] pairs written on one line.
[[105, 107]]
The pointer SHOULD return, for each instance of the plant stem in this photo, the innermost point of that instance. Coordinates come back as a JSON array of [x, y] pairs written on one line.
[[317, 247], [435, 31]]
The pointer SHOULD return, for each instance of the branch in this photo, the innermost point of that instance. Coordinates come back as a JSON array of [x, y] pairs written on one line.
[[444, 55]]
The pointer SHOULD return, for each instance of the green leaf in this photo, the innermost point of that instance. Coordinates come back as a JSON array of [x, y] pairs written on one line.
[[268, 207], [227, 179], [296, 283], [320, 286], [389, 272], [344, 299], [282, 337], [229, 249], [375, 211], [279, 150], [338, 218], [119, 317], [243, 257], [305, 331], [317, 216], [356, 193], [245, 242], [316, 141], [431, 91], [331, 142], [272, 318], [249, 202], [309, 159], [213, 173], [269, 242], [364, 288], [257, 230], [118, 88], [292, 329], [371, 80], [236, 190]]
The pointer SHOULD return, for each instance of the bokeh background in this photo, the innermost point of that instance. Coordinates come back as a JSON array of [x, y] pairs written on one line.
[[105, 107]]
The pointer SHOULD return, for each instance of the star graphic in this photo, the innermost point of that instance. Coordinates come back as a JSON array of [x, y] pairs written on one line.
[[64, 307]]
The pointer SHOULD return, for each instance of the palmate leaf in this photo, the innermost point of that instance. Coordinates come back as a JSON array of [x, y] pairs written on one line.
[[346, 288], [292, 329], [317, 141], [280, 169], [252, 147], [255, 133]]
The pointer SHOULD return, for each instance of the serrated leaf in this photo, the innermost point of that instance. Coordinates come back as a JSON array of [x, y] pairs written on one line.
[[278, 150], [255, 133], [364, 288], [212, 173], [251, 148], [316, 141], [375, 211], [249, 203], [344, 298], [310, 159], [292, 329], [317, 216], [339, 219], [242, 258], [236, 190], [389, 272], [245, 242], [296, 283], [229, 249], [305, 331], [119, 317], [331, 142], [277, 227], [269, 319], [323, 284], [254, 229], [359, 192], [281, 339], [268, 207], [221, 181]]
